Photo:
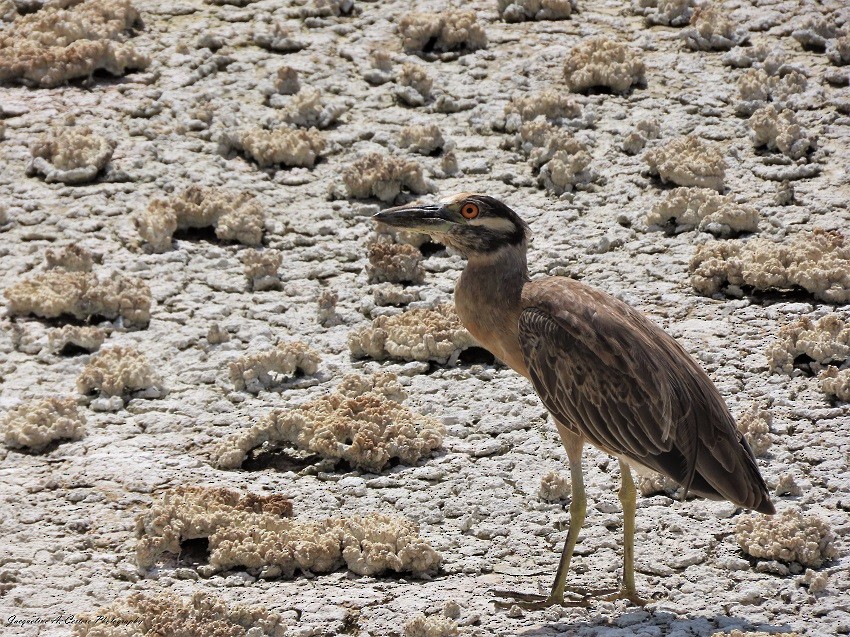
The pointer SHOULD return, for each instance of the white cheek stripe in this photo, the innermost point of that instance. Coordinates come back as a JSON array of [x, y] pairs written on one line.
[[497, 224]]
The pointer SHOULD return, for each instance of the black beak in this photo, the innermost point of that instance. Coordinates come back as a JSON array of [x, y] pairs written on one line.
[[418, 217]]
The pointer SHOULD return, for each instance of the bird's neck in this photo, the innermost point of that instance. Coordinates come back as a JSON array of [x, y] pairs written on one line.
[[488, 300]]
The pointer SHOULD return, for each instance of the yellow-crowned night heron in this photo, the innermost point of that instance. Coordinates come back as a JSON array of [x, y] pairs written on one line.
[[606, 373]]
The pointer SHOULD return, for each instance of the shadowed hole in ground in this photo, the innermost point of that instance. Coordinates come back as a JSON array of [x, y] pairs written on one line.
[[195, 551]]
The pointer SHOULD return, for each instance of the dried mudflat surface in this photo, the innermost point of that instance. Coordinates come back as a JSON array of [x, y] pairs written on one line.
[[69, 511]]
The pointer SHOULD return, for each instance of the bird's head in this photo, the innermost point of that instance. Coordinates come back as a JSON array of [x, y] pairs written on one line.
[[471, 223]]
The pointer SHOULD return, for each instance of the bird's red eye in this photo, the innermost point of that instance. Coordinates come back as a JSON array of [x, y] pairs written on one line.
[[469, 210]]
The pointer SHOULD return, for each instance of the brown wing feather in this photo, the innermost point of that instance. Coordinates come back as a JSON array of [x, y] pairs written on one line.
[[605, 370]]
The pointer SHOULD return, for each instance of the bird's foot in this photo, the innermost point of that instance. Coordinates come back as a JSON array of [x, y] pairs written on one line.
[[578, 597], [626, 594]]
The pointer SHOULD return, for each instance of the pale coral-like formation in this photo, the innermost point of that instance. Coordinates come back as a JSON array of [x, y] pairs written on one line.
[[818, 262], [562, 160], [70, 155], [413, 84], [825, 342], [261, 268], [216, 335], [163, 613], [425, 139], [779, 130], [651, 483], [787, 485], [236, 216], [787, 536], [394, 262], [835, 382], [283, 146], [448, 31], [755, 425], [363, 422], [82, 337], [551, 104], [326, 312], [522, 10], [705, 210], [757, 87], [56, 44], [35, 424], [600, 62], [838, 50], [712, 30], [277, 37], [270, 545], [431, 626], [816, 582], [81, 295], [635, 141], [285, 81], [309, 109], [554, 487], [815, 32], [415, 335], [117, 371], [72, 258], [327, 9], [254, 372], [384, 177], [673, 13], [688, 161]]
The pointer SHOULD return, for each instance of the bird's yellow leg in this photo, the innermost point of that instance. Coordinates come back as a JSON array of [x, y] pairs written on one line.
[[578, 510], [628, 498]]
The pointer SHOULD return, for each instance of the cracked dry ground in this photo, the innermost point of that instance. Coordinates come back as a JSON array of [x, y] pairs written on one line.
[[68, 521]]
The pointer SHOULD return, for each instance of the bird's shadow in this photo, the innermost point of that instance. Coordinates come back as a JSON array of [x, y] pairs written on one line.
[[670, 624]]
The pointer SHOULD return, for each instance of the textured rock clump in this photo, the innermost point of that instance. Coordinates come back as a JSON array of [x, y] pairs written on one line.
[[415, 335], [270, 545], [600, 62], [836, 382], [413, 85], [56, 44], [672, 13], [838, 50], [292, 147], [712, 30], [779, 130], [82, 337], [363, 422], [562, 160], [823, 342], [81, 295], [554, 487], [688, 161], [310, 109], [448, 31], [787, 536], [705, 210], [70, 155], [425, 139], [431, 626], [236, 216], [384, 177], [755, 425], [35, 424], [757, 88], [254, 372], [552, 105], [818, 262], [163, 613], [117, 371], [395, 263], [261, 268], [522, 10], [72, 258]]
